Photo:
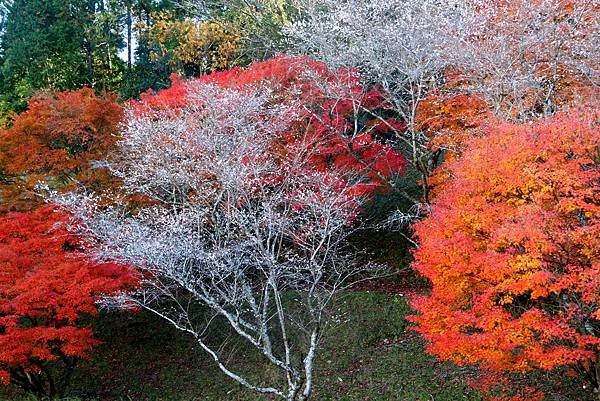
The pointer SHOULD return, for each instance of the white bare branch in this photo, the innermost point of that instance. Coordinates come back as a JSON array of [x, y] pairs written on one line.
[[229, 224]]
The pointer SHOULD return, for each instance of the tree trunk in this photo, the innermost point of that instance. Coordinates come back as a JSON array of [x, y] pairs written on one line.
[[89, 50], [129, 23]]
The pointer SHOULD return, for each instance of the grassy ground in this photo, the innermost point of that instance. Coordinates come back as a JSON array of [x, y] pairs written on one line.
[[369, 356]]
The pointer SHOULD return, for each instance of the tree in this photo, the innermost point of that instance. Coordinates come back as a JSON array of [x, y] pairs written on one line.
[[449, 118], [46, 286], [523, 58], [57, 45], [247, 216], [55, 141], [528, 58], [60, 45], [103, 41], [147, 65], [331, 113], [194, 48], [260, 22], [511, 249], [42, 46], [397, 45], [148, 72]]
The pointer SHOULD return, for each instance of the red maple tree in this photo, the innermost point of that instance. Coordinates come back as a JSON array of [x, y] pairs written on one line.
[[46, 286], [512, 249], [54, 141], [335, 112]]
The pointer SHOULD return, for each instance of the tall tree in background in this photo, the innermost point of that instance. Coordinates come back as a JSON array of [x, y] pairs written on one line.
[[104, 38], [143, 70], [68, 44], [194, 48], [261, 22], [42, 47], [59, 45]]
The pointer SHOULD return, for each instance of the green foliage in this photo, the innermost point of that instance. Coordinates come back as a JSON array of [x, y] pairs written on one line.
[[42, 45], [68, 44], [104, 42], [260, 21], [59, 45], [146, 73]]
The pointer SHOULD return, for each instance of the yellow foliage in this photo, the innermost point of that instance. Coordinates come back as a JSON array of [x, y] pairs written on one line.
[[210, 45]]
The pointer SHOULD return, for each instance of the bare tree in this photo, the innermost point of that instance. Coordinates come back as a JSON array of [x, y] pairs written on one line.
[[518, 55], [521, 54], [398, 45], [256, 236]]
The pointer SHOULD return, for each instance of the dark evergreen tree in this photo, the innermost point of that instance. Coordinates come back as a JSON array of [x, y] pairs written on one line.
[[42, 45], [59, 45], [146, 72], [104, 40]]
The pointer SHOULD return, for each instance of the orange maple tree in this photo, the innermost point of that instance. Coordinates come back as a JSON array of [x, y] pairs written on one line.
[[54, 141], [449, 118], [46, 286], [512, 249]]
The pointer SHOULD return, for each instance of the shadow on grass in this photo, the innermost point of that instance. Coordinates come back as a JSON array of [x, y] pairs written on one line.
[[369, 354]]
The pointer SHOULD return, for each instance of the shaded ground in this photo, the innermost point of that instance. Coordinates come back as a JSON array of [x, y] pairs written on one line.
[[370, 354]]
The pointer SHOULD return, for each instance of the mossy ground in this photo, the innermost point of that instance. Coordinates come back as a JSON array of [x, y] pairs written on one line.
[[370, 355]]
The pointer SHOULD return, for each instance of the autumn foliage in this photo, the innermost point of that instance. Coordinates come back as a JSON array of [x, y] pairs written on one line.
[[246, 183], [192, 47], [333, 112], [512, 249], [46, 286], [531, 57], [55, 140]]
